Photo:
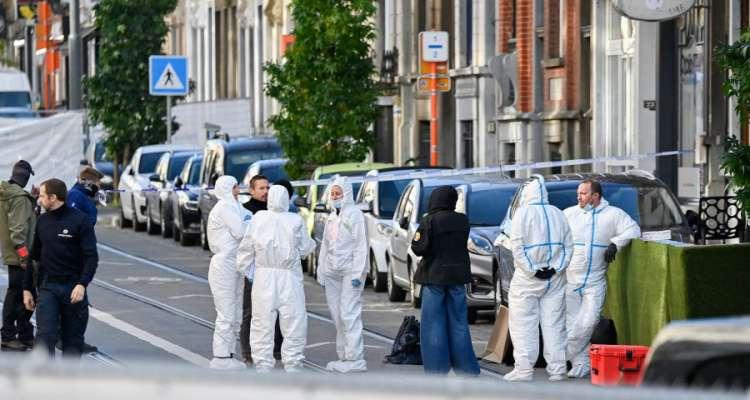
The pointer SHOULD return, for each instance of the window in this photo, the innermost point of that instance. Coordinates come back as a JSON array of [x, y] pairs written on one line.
[[403, 201], [510, 156], [424, 142], [488, 207], [147, 164], [468, 38], [175, 166], [237, 162], [467, 143], [195, 173], [389, 193], [555, 29]]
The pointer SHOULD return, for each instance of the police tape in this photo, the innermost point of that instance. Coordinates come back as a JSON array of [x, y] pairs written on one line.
[[448, 173]]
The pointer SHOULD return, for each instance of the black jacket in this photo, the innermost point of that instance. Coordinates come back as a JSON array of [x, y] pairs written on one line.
[[255, 205], [441, 241], [65, 248]]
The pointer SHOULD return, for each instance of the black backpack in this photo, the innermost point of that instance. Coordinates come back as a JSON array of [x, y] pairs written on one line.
[[406, 349]]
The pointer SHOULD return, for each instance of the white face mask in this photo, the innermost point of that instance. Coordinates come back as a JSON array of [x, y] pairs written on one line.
[[337, 203], [588, 207]]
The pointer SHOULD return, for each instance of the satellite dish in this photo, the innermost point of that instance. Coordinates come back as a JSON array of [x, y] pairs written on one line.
[[653, 10]]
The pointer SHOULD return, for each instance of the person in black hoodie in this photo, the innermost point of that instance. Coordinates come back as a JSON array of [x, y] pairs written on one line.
[[64, 246], [259, 186], [443, 271]]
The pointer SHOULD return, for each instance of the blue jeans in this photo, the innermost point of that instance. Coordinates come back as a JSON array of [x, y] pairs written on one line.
[[444, 332], [57, 318]]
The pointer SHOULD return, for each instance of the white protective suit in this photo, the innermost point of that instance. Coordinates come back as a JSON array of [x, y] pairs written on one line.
[[593, 231], [227, 222], [343, 258], [275, 243], [540, 238]]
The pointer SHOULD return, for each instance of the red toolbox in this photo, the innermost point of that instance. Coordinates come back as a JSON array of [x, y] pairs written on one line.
[[616, 365]]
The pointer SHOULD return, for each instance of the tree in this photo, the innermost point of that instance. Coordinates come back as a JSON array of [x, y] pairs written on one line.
[[117, 96], [325, 85], [735, 59]]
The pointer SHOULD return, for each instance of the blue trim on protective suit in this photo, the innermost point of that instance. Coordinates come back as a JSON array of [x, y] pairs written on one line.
[[591, 252], [531, 246]]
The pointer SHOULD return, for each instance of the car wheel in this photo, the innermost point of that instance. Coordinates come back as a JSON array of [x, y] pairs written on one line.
[[204, 236], [379, 279], [137, 226], [471, 315], [186, 240], [416, 299], [166, 228], [395, 293], [124, 222]]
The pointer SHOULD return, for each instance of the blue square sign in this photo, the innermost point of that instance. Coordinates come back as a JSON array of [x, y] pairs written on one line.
[[168, 75]]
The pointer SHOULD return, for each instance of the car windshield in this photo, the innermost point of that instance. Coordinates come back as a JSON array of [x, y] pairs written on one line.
[[424, 200], [488, 207], [617, 194], [175, 166], [195, 173], [389, 192], [274, 173], [148, 162], [15, 99], [100, 152], [237, 162]]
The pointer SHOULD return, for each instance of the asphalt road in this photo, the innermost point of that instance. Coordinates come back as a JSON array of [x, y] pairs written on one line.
[[151, 302]]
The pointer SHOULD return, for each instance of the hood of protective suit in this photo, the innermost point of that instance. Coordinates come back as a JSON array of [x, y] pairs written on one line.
[[443, 198], [278, 199], [344, 184], [535, 192], [223, 188], [10, 190]]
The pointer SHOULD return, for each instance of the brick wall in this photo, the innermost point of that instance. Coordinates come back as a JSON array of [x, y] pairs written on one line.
[[505, 24], [525, 46]]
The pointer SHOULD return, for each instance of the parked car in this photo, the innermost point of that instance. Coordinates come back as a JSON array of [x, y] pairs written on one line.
[[485, 201], [135, 178], [186, 217], [271, 169], [642, 196], [379, 198], [15, 95], [96, 155], [158, 207], [313, 208], [233, 157], [400, 259]]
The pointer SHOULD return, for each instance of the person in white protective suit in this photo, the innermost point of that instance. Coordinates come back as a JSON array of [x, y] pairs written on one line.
[[275, 244], [227, 222], [542, 246], [342, 269], [600, 230]]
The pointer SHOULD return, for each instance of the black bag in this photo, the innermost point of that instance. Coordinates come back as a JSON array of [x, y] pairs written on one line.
[[605, 332], [406, 349]]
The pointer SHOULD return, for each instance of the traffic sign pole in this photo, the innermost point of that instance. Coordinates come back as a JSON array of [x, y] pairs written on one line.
[[433, 115], [169, 120]]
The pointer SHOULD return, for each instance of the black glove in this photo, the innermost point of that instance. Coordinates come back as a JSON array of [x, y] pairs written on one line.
[[545, 273], [610, 253]]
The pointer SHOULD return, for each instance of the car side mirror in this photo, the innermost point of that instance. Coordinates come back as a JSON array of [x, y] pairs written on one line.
[[365, 207], [301, 202], [212, 180], [403, 222], [320, 208], [131, 172], [178, 183], [154, 178]]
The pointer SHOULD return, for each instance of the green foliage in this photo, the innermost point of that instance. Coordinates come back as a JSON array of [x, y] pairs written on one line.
[[325, 86], [736, 163], [117, 96], [735, 59]]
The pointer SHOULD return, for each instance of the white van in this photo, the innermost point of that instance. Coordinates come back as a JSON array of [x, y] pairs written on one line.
[[15, 94]]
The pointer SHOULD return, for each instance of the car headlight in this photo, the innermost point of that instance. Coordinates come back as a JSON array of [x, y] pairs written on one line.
[[106, 180], [479, 245], [384, 229]]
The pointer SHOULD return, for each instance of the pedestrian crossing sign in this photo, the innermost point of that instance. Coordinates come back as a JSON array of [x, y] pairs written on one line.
[[168, 75]]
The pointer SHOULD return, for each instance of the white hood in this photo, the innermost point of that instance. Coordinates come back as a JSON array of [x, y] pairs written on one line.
[[278, 199], [346, 187]]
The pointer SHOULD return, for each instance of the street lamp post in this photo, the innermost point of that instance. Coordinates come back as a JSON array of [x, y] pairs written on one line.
[[75, 57]]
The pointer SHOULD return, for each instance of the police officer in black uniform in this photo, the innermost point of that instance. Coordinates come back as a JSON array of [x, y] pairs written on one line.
[[64, 246]]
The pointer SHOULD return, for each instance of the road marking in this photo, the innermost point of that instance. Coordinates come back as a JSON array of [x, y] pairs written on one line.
[[150, 280], [321, 344], [147, 337], [187, 296]]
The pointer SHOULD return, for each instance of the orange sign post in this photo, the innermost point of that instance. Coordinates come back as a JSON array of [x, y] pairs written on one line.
[[433, 77]]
